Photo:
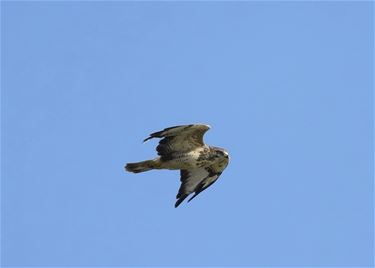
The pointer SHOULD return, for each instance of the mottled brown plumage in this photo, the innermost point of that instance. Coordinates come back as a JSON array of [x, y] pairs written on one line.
[[182, 147]]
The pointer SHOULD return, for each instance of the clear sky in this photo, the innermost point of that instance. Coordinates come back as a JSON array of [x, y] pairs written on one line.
[[286, 86]]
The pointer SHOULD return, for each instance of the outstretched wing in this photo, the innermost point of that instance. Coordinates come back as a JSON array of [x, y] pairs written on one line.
[[197, 180], [179, 139]]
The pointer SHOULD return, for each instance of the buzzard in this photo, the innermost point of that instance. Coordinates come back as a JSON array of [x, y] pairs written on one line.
[[182, 147]]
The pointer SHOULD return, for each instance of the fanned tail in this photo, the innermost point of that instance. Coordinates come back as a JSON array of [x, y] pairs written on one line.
[[140, 166]]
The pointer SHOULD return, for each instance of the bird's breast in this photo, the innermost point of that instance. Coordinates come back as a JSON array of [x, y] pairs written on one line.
[[187, 160]]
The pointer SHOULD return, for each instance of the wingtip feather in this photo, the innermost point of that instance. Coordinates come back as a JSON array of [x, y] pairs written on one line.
[[180, 200], [148, 138], [191, 198]]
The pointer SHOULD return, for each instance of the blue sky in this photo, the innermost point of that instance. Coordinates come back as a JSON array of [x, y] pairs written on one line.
[[286, 86]]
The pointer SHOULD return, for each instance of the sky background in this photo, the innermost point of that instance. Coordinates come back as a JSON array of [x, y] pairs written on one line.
[[286, 86]]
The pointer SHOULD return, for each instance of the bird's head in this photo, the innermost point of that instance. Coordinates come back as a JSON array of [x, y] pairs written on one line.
[[221, 153], [222, 157]]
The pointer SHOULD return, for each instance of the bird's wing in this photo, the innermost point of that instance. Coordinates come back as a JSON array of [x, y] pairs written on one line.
[[197, 180], [179, 139]]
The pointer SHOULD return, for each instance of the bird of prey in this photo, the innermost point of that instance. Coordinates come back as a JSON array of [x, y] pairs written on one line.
[[182, 147]]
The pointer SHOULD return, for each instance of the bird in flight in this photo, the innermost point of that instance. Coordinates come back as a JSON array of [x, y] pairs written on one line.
[[183, 148]]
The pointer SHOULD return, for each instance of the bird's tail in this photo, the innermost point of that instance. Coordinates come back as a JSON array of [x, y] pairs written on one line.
[[141, 166]]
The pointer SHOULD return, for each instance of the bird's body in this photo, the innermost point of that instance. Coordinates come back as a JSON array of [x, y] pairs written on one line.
[[182, 147], [184, 160]]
